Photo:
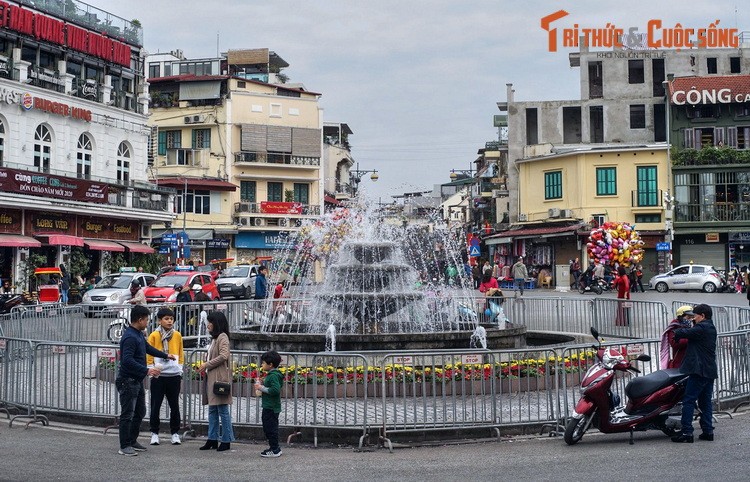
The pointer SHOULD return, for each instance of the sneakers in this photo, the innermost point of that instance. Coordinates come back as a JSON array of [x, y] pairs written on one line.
[[154, 438], [138, 447], [127, 451], [706, 436], [176, 439], [271, 453], [683, 439]]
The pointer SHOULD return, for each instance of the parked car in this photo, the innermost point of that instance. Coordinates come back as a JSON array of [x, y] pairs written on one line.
[[112, 290], [162, 288], [688, 277], [238, 281]]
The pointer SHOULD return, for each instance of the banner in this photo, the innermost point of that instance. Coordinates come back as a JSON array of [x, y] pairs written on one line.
[[278, 207], [46, 185]]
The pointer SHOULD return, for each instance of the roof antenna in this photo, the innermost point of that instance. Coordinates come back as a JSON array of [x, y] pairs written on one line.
[[217, 44]]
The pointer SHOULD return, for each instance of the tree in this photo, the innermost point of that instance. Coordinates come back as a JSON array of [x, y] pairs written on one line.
[[79, 263]]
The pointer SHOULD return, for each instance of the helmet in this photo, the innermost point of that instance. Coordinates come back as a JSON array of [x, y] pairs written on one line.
[[684, 310], [135, 284], [177, 287], [196, 287]]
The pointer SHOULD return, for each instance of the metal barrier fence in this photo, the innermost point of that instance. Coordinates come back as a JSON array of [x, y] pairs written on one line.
[[392, 392], [725, 318], [630, 318]]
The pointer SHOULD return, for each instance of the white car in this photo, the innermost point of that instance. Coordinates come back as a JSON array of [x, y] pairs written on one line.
[[688, 277], [237, 281], [112, 290]]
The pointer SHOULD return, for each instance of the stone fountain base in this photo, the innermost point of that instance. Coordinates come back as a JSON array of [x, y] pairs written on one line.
[[253, 339]]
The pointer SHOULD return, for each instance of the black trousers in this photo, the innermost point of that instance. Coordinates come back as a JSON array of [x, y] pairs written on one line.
[[169, 386], [271, 427], [133, 405]]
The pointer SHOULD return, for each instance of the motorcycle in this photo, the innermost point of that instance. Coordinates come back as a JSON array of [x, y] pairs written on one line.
[[9, 300], [654, 400], [598, 286]]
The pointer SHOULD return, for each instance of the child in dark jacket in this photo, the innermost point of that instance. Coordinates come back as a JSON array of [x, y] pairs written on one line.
[[270, 390]]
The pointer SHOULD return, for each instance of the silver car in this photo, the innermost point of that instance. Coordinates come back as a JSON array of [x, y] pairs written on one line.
[[237, 281], [112, 290], [688, 277]]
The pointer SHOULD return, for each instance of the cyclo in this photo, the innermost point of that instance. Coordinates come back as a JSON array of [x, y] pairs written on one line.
[[47, 282]]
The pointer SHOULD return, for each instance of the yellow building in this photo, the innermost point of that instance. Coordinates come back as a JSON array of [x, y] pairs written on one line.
[[563, 193], [243, 154]]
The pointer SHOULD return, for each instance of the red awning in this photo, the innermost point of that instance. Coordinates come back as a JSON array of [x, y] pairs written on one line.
[[537, 232], [196, 183], [62, 239], [137, 247], [331, 200], [99, 245], [18, 241]]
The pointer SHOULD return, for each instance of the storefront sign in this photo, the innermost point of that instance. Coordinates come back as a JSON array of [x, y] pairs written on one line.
[[709, 96], [217, 243], [50, 223], [58, 108], [739, 236], [663, 246], [39, 184], [263, 240], [10, 221], [100, 228], [278, 207], [712, 237]]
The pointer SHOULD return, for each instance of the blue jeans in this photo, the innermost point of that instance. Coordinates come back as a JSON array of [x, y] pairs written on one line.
[[133, 404], [214, 413], [519, 284], [698, 389], [64, 297]]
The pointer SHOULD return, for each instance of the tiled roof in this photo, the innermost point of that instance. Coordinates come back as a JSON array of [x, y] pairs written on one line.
[[737, 84]]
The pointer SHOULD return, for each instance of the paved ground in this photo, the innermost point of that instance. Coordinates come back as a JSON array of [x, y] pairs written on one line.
[[80, 453]]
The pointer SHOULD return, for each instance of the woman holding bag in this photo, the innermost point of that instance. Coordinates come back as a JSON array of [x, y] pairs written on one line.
[[217, 392]]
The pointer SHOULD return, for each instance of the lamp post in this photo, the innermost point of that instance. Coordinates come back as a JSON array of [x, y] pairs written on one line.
[[356, 175]]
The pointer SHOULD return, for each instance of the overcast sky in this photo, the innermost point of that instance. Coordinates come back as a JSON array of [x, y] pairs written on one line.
[[417, 81]]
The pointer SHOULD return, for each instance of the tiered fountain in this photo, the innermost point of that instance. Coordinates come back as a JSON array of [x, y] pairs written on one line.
[[371, 297]]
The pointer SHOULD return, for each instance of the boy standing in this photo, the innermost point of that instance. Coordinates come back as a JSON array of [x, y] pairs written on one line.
[[270, 390], [166, 338], [129, 382]]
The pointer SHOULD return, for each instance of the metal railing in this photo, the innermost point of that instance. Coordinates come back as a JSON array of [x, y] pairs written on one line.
[[276, 158], [723, 212]]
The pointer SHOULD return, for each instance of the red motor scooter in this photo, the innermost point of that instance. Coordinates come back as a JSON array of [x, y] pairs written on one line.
[[654, 400]]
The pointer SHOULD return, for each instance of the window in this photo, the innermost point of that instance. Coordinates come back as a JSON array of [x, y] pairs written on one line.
[[553, 185], [638, 116], [596, 123], [196, 202], [596, 90], [201, 138], [635, 72], [657, 77], [711, 65], [647, 194], [647, 218], [301, 193], [162, 144], [275, 110], [83, 156], [2, 142], [532, 134], [153, 70], [734, 65], [275, 191], [598, 220], [174, 139], [247, 191], [698, 269], [606, 181], [123, 163], [42, 148]]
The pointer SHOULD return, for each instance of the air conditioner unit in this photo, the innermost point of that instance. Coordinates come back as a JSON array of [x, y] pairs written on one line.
[[566, 213], [195, 119], [245, 221], [259, 222], [496, 193], [553, 213], [283, 222], [146, 231], [523, 217]]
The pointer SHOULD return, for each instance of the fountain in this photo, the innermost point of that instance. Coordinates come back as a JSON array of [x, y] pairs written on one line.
[[381, 289]]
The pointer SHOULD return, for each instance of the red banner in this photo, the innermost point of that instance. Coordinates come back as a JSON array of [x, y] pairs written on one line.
[[278, 207], [39, 184]]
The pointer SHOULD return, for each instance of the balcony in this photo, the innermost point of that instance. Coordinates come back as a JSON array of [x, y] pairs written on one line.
[[645, 199], [247, 207], [275, 158], [712, 212]]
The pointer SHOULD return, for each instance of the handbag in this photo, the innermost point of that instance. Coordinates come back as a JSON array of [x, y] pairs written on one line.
[[222, 388]]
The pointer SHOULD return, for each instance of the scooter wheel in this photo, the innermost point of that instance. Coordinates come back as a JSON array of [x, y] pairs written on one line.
[[114, 333], [597, 289], [575, 429]]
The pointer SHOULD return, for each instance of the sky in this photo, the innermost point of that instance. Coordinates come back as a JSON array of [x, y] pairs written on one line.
[[417, 81]]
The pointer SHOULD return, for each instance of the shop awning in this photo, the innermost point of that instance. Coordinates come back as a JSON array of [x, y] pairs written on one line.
[[197, 183], [531, 232], [61, 239], [100, 245], [137, 247], [18, 241]]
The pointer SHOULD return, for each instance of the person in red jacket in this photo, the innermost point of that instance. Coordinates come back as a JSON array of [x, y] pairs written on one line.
[[488, 282], [622, 283], [673, 351]]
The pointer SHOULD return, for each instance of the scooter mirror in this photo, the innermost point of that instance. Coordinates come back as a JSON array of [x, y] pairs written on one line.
[[595, 332], [643, 357]]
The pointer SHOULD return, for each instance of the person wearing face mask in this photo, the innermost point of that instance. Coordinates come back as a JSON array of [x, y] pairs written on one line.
[[672, 350]]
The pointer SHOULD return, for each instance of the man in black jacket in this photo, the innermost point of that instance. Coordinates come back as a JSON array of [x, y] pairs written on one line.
[[700, 364]]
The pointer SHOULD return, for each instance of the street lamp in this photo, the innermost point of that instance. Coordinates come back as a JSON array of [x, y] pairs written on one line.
[[356, 175]]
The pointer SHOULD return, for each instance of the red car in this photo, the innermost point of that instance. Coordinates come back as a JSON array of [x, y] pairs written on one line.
[[162, 289]]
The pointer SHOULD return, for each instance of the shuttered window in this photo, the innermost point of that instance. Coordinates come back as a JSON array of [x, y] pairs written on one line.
[[279, 139], [254, 138], [306, 142]]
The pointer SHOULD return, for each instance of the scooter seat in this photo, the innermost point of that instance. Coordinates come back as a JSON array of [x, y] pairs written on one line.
[[648, 384]]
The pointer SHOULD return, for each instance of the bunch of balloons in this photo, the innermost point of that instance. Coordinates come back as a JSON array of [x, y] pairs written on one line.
[[324, 236], [615, 244]]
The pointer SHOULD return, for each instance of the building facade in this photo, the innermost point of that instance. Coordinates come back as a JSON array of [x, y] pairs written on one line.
[[243, 154], [73, 138]]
